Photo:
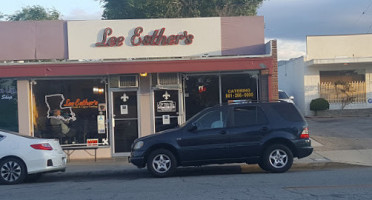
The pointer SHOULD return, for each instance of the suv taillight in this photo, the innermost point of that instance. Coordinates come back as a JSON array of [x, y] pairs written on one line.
[[305, 133], [43, 146]]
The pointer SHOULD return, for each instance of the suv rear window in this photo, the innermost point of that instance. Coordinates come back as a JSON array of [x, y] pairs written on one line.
[[248, 116], [288, 112]]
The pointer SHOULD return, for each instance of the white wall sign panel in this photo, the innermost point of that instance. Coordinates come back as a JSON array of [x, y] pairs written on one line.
[[119, 39]]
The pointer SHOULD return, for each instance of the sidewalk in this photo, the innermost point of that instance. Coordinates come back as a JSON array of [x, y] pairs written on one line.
[[354, 157]]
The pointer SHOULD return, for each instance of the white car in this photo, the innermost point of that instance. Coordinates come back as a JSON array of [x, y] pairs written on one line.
[[24, 157], [284, 97]]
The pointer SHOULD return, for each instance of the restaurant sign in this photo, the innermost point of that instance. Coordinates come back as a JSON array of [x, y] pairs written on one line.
[[149, 38], [81, 103], [157, 38]]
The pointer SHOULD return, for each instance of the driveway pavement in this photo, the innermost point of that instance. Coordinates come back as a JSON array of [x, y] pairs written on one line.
[[342, 139]]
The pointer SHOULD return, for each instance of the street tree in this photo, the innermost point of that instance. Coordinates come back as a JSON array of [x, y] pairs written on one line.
[[34, 13], [140, 9]]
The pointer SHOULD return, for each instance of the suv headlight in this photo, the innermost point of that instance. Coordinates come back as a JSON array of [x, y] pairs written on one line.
[[138, 145]]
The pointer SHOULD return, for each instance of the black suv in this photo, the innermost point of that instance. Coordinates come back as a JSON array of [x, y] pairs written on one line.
[[267, 134]]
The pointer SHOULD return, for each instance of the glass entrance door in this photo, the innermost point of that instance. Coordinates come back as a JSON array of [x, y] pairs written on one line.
[[125, 120], [166, 105]]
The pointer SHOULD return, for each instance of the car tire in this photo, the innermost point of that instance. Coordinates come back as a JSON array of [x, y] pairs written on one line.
[[161, 163], [277, 158], [262, 166], [12, 171]]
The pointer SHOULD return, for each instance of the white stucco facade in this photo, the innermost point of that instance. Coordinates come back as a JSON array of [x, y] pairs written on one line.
[[292, 72], [300, 77]]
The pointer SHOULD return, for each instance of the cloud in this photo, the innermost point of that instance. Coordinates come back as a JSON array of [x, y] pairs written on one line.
[[80, 14], [288, 49], [290, 21], [295, 19]]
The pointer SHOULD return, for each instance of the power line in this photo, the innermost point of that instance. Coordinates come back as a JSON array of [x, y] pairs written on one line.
[[364, 12]]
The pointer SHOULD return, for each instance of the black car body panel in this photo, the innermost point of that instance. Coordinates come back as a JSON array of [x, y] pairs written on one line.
[[232, 136]]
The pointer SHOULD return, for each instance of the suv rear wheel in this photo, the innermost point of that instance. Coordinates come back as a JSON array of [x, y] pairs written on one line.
[[161, 163], [277, 158]]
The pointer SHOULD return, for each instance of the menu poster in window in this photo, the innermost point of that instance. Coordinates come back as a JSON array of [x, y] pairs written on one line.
[[124, 109], [92, 142], [166, 102], [101, 124], [166, 119]]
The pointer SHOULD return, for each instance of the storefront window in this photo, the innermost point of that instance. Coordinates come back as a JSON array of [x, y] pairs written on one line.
[[73, 111], [8, 105], [201, 91], [204, 91], [238, 87]]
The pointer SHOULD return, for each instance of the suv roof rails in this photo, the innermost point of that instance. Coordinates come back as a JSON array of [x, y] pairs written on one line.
[[245, 101]]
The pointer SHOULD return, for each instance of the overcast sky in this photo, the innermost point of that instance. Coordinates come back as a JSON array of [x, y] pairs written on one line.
[[288, 21]]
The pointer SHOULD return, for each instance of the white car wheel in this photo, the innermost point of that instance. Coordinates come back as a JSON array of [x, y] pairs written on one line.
[[12, 171]]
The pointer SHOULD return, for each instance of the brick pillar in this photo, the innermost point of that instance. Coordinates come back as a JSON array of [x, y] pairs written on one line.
[[274, 96]]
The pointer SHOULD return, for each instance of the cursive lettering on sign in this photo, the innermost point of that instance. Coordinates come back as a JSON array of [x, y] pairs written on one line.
[[78, 103], [110, 41], [157, 38], [6, 97]]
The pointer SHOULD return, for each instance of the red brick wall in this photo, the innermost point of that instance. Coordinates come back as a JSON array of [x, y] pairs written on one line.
[[274, 76]]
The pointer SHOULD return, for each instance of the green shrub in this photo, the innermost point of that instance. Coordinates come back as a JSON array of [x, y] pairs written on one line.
[[319, 104]]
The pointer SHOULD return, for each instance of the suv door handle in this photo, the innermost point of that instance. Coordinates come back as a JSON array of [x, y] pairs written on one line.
[[264, 130], [223, 132]]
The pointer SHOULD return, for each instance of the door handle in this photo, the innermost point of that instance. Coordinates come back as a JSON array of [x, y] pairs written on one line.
[[223, 132], [264, 129]]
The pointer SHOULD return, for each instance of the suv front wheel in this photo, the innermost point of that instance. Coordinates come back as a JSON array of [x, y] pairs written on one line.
[[277, 158], [161, 163]]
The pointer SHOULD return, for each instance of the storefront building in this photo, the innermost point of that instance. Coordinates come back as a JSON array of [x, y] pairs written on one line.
[[337, 68], [110, 82]]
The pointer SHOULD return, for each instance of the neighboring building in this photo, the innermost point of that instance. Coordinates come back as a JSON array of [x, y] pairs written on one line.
[[337, 68], [116, 80]]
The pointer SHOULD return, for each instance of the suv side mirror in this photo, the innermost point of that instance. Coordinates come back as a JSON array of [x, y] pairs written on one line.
[[291, 97], [192, 127]]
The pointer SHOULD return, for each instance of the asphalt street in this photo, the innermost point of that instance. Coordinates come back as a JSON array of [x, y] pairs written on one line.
[[118, 180]]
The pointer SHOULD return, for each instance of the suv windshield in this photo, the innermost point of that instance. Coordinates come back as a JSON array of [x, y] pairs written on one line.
[[194, 117]]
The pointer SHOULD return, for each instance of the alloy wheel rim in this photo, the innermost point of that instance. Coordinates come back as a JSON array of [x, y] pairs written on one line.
[[161, 163], [278, 158], [10, 171]]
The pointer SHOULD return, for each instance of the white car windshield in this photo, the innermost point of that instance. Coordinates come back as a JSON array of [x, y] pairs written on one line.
[[283, 95]]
